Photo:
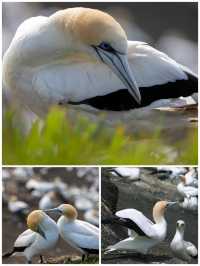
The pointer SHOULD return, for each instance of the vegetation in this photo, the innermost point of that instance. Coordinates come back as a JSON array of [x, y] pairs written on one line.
[[62, 140]]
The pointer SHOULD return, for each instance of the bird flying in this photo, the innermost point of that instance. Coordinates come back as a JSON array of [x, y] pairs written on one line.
[[80, 57], [143, 233], [41, 236], [182, 249], [81, 235]]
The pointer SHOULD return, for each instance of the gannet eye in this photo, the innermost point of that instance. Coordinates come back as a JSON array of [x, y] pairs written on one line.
[[106, 46]]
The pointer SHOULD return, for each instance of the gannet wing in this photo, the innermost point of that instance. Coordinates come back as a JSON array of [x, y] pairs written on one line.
[[83, 235], [81, 82], [25, 240], [137, 222], [191, 249]]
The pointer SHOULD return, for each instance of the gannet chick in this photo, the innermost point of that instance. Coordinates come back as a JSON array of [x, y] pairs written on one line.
[[41, 235], [182, 249], [81, 57], [143, 234], [186, 191], [81, 235]]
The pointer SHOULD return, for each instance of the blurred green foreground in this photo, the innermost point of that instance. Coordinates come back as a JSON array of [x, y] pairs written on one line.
[[61, 140]]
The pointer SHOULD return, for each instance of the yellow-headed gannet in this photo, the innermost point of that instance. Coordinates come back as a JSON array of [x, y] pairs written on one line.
[[41, 235], [182, 249], [143, 234], [81, 235], [81, 57]]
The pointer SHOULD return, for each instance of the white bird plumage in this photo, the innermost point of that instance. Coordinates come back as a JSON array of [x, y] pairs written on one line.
[[41, 235], [143, 233], [186, 190], [182, 249], [58, 60], [81, 235]]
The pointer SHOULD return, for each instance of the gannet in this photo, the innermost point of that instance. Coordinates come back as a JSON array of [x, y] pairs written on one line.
[[189, 203], [143, 234], [41, 235], [184, 190], [182, 249], [190, 178], [132, 173], [81, 57], [81, 235]]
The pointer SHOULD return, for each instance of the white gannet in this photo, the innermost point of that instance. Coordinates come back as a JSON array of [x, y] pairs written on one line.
[[133, 173], [189, 203], [41, 235], [143, 234], [182, 249], [81, 57], [186, 191], [81, 235], [190, 178]]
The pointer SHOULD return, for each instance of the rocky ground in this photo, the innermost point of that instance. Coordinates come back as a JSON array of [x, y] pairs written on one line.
[[120, 192]]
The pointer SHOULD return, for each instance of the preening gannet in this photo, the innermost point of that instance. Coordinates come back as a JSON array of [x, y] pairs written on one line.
[[143, 234], [81, 57], [182, 249], [81, 235], [41, 235]]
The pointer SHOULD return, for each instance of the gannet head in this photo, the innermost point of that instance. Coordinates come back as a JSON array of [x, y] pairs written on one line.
[[159, 209], [34, 221], [65, 209], [180, 226], [101, 36], [183, 179]]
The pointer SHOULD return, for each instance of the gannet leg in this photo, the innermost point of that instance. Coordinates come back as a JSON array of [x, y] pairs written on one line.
[[42, 259]]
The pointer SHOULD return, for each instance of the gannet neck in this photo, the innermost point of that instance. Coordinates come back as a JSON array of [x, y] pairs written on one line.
[[183, 179], [158, 212]]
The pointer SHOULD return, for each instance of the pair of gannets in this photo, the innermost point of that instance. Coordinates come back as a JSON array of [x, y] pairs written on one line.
[[143, 234], [43, 233], [81, 57]]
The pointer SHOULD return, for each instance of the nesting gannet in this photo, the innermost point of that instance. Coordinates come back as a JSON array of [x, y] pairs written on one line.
[[189, 203], [186, 191], [132, 173], [81, 235], [81, 57], [190, 178], [41, 235], [143, 234], [182, 249]]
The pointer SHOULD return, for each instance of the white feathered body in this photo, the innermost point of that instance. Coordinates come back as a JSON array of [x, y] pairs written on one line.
[[35, 243], [41, 72], [182, 249], [79, 234]]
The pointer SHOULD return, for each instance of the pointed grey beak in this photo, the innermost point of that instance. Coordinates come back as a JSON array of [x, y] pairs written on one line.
[[171, 203], [120, 66], [54, 210]]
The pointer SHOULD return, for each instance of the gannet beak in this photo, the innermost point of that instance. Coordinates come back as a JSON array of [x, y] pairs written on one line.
[[119, 64], [41, 232], [52, 210], [171, 203]]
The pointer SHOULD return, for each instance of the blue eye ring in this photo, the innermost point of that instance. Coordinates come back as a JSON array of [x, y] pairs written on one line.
[[106, 46]]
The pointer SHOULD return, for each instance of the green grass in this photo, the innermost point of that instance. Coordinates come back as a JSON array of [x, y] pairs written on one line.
[[61, 140]]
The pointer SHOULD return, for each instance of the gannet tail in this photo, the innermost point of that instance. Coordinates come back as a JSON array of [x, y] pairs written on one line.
[[8, 254]]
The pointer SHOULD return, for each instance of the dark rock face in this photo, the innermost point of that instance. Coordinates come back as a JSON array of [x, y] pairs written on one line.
[[120, 193]]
